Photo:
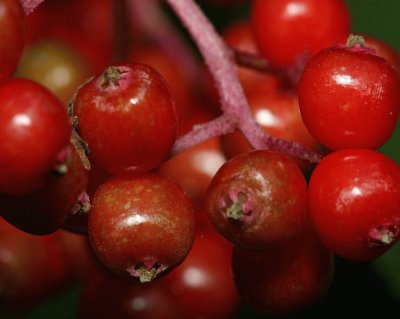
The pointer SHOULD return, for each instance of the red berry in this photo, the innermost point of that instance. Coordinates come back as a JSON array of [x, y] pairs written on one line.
[[257, 199], [354, 202], [108, 296], [384, 50], [284, 29], [31, 269], [141, 225], [349, 98], [46, 209], [127, 116], [12, 34], [286, 277], [205, 275], [35, 131]]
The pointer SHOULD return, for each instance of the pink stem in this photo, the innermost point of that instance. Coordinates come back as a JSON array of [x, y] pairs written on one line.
[[217, 55], [221, 125], [220, 61], [30, 5]]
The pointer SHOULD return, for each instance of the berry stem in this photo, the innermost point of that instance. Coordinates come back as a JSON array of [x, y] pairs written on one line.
[[221, 63], [146, 271], [221, 125]]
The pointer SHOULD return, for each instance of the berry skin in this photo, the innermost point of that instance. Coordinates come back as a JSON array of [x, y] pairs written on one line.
[[257, 199], [32, 268], [349, 98], [203, 276], [141, 225], [354, 202], [285, 29], [285, 278], [45, 210], [127, 116], [35, 131], [384, 50], [106, 295], [12, 32]]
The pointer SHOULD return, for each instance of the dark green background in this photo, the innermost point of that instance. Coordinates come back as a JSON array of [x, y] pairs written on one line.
[[358, 288]]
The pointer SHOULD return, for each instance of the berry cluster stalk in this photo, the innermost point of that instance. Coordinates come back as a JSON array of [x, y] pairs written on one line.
[[220, 61]]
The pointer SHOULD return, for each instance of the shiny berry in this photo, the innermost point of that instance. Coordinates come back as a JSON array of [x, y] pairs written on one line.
[[127, 116], [35, 131], [349, 98], [354, 202], [141, 225], [285, 29], [257, 199]]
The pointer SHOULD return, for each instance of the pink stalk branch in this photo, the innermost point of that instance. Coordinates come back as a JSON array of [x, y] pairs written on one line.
[[30, 5], [221, 125], [220, 61]]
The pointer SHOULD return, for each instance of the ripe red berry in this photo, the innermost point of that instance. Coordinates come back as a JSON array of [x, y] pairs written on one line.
[[354, 202], [257, 199], [141, 225], [286, 277], [46, 209], [35, 131], [349, 98], [127, 116], [12, 34], [203, 276], [284, 29]]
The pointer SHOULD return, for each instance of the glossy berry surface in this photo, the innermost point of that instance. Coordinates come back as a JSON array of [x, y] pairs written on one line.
[[12, 34], [354, 202], [35, 131], [284, 278], [141, 225], [257, 199], [285, 29], [127, 116], [349, 98]]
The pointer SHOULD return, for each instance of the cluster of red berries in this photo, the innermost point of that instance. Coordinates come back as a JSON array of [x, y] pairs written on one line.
[[100, 164]]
